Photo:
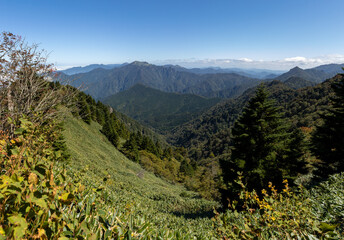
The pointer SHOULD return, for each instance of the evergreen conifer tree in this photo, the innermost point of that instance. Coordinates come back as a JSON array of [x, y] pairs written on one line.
[[109, 130], [114, 138], [85, 112], [294, 158], [131, 143], [260, 146], [328, 139], [158, 148], [131, 148], [100, 116]]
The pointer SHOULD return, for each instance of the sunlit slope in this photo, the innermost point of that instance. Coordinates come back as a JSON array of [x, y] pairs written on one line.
[[166, 205]]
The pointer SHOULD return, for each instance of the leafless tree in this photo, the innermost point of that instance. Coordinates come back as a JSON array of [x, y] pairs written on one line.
[[26, 86]]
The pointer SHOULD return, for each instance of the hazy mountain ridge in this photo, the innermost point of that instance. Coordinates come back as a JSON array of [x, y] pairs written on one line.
[[317, 74], [252, 73], [101, 83], [224, 85], [159, 109], [88, 68]]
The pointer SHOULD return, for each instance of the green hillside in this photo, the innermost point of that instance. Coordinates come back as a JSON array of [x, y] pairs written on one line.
[[72, 168], [297, 82], [166, 205], [160, 110], [302, 107]]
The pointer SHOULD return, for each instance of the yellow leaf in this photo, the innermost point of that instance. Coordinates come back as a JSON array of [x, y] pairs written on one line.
[[2, 142], [41, 234], [2, 232], [20, 226], [33, 178], [66, 197]]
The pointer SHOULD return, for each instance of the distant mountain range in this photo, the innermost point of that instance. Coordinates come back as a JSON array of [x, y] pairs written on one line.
[[101, 83], [105, 80], [317, 74], [160, 110], [252, 73], [88, 68]]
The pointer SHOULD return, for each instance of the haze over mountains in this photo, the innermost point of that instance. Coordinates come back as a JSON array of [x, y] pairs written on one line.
[[317, 74], [166, 97], [88, 68], [102, 81], [254, 73]]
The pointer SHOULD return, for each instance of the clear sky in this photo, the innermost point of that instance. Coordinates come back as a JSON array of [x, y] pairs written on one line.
[[228, 33]]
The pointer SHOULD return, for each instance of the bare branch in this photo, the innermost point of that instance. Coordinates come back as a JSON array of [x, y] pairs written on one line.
[[25, 83]]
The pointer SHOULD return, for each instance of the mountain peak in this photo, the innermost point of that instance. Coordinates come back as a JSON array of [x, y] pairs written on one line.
[[138, 63], [296, 69]]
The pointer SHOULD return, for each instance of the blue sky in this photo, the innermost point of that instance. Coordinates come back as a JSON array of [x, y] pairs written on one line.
[[274, 34]]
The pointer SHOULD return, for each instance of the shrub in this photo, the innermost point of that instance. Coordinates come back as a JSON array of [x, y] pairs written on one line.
[[276, 215], [40, 201]]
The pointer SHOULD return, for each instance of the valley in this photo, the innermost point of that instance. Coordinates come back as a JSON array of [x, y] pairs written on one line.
[[143, 151], [200, 130], [160, 110]]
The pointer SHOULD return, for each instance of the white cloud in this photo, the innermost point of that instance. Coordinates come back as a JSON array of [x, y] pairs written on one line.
[[60, 68], [296, 59], [279, 64], [246, 59]]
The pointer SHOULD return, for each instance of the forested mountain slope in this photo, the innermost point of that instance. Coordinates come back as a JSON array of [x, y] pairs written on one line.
[[101, 83], [160, 110], [297, 82], [224, 85], [301, 106]]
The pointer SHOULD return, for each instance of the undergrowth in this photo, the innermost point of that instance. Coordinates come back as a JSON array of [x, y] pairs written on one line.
[[289, 214]]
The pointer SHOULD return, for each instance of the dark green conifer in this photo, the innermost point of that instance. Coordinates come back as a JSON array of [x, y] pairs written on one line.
[[114, 138], [294, 160], [138, 139], [131, 143], [328, 139], [85, 112], [93, 110], [131, 148], [109, 130], [260, 146], [100, 115], [60, 145], [158, 149]]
